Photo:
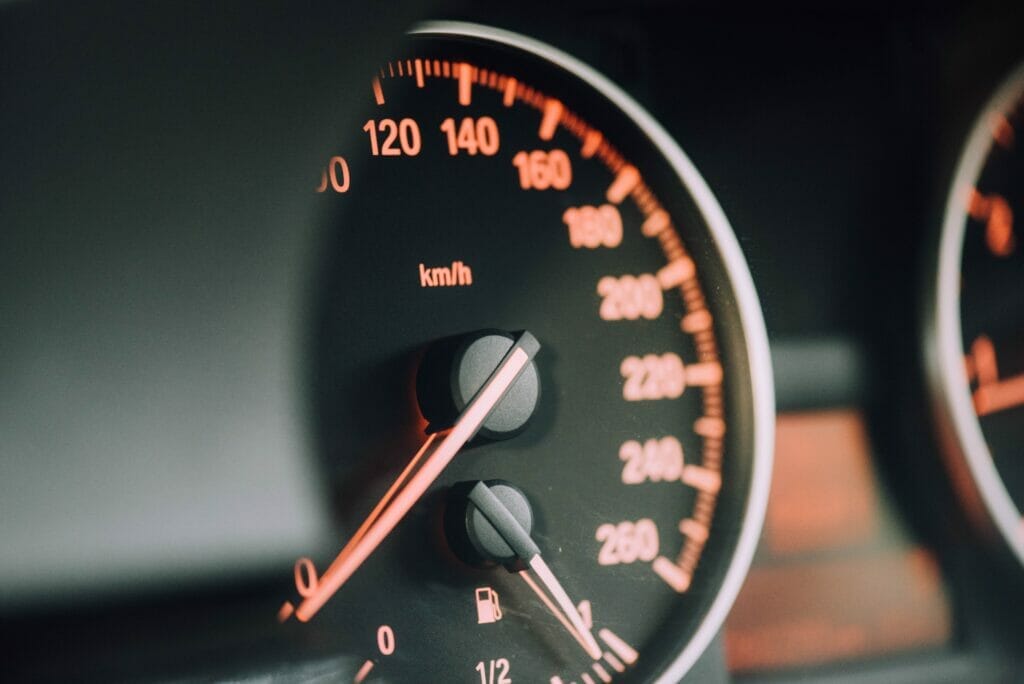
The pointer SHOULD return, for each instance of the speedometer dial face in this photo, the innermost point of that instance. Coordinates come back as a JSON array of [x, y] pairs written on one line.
[[541, 380], [979, 314]]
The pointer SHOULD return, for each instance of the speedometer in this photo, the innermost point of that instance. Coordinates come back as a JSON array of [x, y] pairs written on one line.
[[540, 378], [977, 310]]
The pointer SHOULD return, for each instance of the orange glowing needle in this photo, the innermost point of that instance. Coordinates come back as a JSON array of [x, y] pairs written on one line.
[[576, 627], [395, 504], [588, 644]]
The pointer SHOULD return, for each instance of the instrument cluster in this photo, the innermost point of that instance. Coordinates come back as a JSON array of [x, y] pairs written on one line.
[[606, 342]]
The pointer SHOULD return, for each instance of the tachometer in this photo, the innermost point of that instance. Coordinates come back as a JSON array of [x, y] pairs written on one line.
[[541, 380], [977, 309]]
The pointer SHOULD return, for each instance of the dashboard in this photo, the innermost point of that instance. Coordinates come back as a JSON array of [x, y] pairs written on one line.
[[437, 342]]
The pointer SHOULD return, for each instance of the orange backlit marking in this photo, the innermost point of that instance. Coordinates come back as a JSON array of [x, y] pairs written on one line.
[[456, 275], [363, 672], [338, 175], [992, 394], [591, 141], [623, 650], [655, 223], [709, 427], [385, 640], [472, 135], [656, 460], [494, 671], [549, 122], [400, 71], [594, 227], [653, 377], [586, 612], [674, 576], [614, 662], [437, 67], [509, 97], [704, 374], [419, 73], [696, 322], [623, 184], [1002, 131], [995, 211], [488, 606], [704, 479], [999, 396], [693, 530], [446, 68], [391, 69], [540, 170], [465, 84], [406, 132], [378, 92], [627, 542], [601, 673], [630, 297], [676, 273], [981, 362], [285, 612]]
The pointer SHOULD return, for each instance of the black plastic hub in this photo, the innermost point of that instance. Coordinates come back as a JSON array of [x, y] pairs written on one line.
[[474, 537], [455, 368]]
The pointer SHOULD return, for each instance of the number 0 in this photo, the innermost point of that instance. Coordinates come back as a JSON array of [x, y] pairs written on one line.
[[336, 175], [386, 640]]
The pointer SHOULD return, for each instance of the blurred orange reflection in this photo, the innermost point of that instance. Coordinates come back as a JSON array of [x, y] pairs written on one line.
[[835, 578]]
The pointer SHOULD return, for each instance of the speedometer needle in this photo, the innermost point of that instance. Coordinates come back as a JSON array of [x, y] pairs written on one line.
[[526, 549], [400, 499]]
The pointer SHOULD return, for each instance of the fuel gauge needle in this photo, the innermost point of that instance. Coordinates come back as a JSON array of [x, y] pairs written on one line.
[[400, 498], [505, 523]]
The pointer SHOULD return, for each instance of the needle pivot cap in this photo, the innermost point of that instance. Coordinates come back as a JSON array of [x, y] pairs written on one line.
[[489, 523], [454, 369]]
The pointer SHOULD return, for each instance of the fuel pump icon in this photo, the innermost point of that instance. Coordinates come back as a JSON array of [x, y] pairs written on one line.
[[488, 608]]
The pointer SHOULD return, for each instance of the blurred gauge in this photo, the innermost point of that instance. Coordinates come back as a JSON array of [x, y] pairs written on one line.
[[976, 341]]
